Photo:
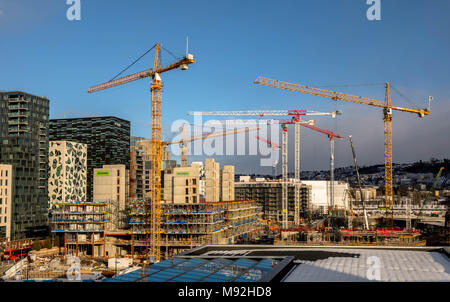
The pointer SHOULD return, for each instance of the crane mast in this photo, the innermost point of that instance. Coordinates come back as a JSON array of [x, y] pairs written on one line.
[[295, 119], [331, 135], [153, 212]]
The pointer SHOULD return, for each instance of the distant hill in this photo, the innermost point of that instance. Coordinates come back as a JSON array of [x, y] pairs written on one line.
[[431, 166]]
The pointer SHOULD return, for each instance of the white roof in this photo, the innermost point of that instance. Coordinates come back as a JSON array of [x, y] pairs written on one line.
[[395, 265]]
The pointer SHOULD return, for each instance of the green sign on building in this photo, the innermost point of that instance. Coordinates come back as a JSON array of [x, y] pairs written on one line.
[[102, 173], [185, 173]]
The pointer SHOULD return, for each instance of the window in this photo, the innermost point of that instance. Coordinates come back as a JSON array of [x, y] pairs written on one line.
[[194, 181], [187, 191], [187, 182], [187, 199]]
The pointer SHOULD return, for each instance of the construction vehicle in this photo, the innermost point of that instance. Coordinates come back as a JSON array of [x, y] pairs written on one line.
[[153, 240], [428, 197], [366, 222], [387, 117]]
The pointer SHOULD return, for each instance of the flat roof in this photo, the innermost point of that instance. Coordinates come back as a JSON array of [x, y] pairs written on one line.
[[88, 118], [201, 270], [393, 266], [340, 263]]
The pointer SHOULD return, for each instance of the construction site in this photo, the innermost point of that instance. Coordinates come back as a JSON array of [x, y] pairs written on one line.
[[188, 206]]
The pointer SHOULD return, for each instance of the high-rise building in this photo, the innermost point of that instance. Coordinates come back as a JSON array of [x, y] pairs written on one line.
[[68, 171], [6, 192], [24, 145], [107, 139]]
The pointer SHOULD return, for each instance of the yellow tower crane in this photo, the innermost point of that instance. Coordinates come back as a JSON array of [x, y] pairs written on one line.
[[387, 110], [153, 238]]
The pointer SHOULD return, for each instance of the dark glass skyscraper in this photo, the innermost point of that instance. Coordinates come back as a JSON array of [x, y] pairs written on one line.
[[24, 145], [107, 138]]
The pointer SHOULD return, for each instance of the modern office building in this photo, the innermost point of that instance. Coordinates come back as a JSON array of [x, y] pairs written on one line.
[[107, 139], [6, 192], [68, 171], [24, 145]]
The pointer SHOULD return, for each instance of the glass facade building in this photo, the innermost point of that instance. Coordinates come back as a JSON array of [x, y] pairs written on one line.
[[107, 139], [24, 145]]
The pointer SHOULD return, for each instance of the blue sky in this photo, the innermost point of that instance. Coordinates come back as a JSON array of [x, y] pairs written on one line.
[[321, 42]]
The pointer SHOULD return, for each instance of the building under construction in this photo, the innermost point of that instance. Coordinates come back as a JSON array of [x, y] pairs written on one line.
[[83, 225], [350, 237], [268, 195], [186, 225]]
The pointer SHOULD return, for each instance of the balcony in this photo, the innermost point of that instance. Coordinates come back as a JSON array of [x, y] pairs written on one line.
[[17, 107], [17, 114], [17, 100]]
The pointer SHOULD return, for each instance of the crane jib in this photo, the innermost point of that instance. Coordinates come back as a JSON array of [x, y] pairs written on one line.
[[140, 75]]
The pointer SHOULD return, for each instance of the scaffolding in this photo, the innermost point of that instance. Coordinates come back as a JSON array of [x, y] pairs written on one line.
[[187, 225], [269, 195], [83, 226]]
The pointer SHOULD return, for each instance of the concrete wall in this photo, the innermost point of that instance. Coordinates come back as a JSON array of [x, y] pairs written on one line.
[[227, 183], [212, 180], [320, 194], [111, 183], [181, 186]]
